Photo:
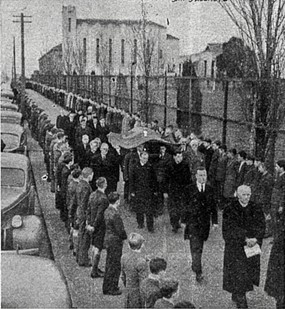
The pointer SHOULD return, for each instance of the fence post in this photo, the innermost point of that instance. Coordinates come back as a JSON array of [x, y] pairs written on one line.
[[190, 105], [165, 100], [225, 116]]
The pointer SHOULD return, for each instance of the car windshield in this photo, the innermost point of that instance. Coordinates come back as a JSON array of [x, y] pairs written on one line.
[[12, 177], [11, 140]]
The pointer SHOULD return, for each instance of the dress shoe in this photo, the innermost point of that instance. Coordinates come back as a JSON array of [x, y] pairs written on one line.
[[199, 278], [97, 275], [234, 297], [241, 302], [100, 271], [114, 293]]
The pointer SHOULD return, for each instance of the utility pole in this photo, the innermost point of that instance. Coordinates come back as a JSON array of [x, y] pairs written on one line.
[[23, 77], [14, 62]]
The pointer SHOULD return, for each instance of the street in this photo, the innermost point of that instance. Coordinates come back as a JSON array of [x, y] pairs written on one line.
[[87, 292]]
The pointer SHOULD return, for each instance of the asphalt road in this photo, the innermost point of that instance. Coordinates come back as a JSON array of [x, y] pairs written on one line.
[[87, 292]]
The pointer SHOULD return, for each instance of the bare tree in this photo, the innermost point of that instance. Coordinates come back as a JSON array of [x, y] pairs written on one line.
[[146, 37], [79, 58], [67, 51], [262, 27]]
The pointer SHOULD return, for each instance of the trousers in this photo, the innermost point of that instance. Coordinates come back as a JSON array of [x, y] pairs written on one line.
[[196, 248], [113, 267]]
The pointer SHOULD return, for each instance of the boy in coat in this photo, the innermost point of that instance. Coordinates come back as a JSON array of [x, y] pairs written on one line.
[[134, 270]]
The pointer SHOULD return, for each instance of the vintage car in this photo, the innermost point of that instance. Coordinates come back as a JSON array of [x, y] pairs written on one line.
[[7, 105], [11, 117], [7, 93], [14, 137], [32, 282], [21, 229]]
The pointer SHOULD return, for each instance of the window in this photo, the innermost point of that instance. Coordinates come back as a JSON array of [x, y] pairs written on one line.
[[160, 54], [135, 50], [69, 24], [97, 50], [123, 51], [84, 51], [205, 68], [110, 50], [213, 69]]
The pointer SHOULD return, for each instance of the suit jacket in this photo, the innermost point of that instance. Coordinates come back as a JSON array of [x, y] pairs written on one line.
[[241, 174], [200, 210], [115, 230], [134, 271], [83, 191], [81, 155], [97, 205]]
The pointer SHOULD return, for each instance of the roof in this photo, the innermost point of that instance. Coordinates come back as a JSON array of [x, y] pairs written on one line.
[[14, 160], [57, 47], [11, 128], [116, 21], [216, 48], [171, 37]]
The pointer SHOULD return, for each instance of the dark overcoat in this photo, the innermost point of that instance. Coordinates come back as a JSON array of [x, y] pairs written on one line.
[[200, 211], [134, 271], [241, 273], [263, 192], [143, 184], [231, 178], [275, 278], [97, 204]]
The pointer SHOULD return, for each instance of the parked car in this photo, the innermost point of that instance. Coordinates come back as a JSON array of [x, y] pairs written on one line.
[[6, 93], [11, 117], [32, 282], [21, 228], [15, 138], [7, 105]]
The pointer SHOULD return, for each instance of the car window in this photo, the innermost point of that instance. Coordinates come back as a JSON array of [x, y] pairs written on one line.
[[12, 177], [11, 140]]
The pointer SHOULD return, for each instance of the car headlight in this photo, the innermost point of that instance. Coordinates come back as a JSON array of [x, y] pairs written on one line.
[[17, 221]]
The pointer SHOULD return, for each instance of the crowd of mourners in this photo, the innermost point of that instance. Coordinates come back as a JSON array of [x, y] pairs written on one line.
[[191, 177]]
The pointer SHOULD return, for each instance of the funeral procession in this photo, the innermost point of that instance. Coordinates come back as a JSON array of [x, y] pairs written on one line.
[[143, 154]]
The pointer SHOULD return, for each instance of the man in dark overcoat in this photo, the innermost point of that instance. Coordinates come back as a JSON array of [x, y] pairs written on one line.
[[97, 204], [83, 192], [143, 186], [130, 158], [275, 277], [242, 168], [161, 166], [200, 211], [243, 227], [179, 178], [278, 196], [262, 195], [114, 239], [107, 164]]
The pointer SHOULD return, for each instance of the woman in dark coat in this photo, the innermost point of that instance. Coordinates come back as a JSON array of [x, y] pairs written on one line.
[[275, 279], [243, 224]]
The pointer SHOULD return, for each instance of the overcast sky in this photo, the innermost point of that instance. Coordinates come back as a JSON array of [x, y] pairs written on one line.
[[195, 24]]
